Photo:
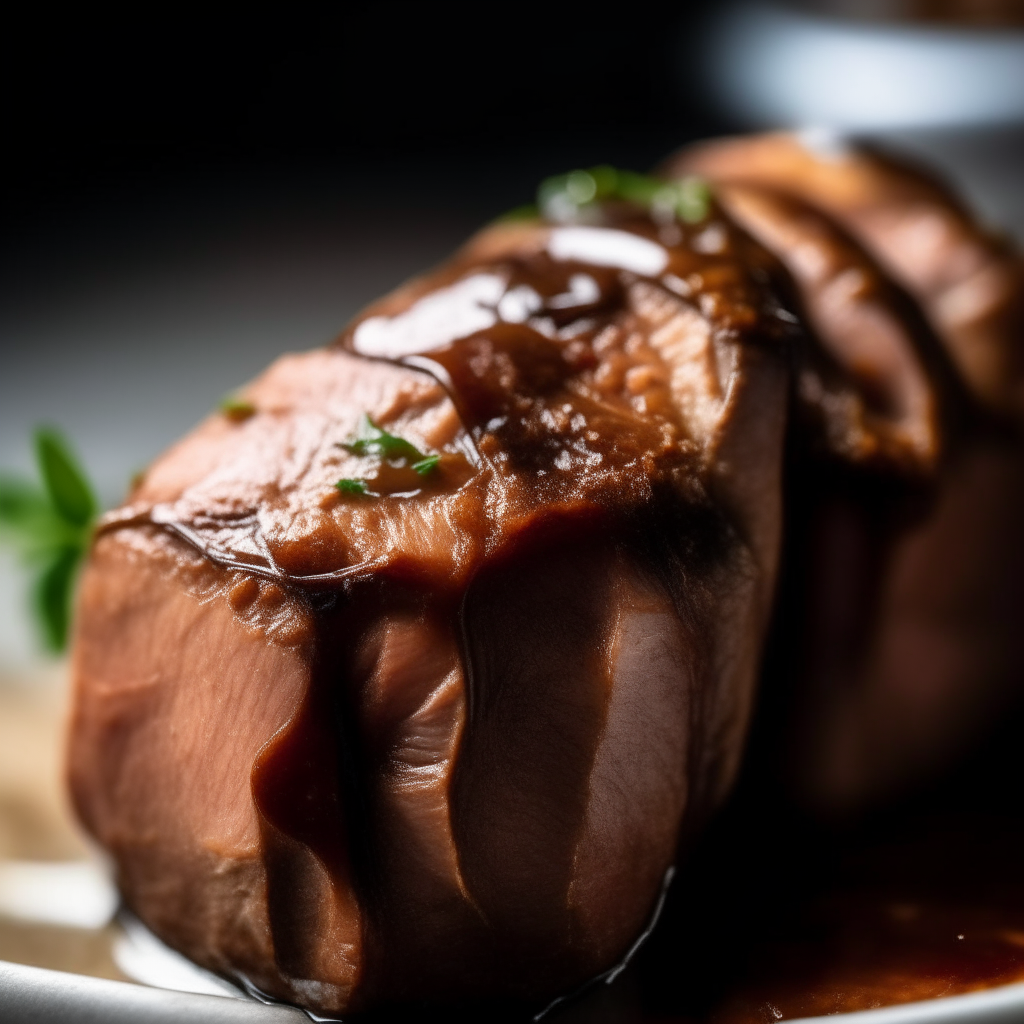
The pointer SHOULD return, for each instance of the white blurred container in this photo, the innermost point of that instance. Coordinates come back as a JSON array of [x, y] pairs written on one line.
[[950, 96], [779, 65]]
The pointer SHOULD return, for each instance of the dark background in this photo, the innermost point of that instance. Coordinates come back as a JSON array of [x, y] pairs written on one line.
[[95, 103], [185, 195]]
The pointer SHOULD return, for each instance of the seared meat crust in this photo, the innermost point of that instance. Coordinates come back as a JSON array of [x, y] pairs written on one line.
[[438, 733]]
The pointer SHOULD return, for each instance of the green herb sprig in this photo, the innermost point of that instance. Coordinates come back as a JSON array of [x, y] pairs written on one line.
[[564, 196], [51, 527], [374, 440]]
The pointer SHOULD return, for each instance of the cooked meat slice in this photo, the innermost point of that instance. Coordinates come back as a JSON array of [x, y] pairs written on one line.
[[435, 733], [908, 608], [408, 686], [905, 584], [969, 283], [892, 418]]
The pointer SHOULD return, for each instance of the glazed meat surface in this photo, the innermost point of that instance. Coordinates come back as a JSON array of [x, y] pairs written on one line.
[[437, 735], [410, 680]]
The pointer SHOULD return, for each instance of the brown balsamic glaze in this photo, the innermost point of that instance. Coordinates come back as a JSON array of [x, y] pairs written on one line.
[[863, 952], [558, 403], [299, 801]]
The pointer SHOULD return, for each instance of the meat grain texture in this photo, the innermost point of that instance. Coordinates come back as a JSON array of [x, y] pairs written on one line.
[[441, 733]]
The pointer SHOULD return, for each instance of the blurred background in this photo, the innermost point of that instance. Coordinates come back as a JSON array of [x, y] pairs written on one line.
[[188, 195]]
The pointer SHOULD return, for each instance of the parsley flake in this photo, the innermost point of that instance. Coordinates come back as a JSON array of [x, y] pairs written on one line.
[[372, 440], [350, 485], [427, 465]]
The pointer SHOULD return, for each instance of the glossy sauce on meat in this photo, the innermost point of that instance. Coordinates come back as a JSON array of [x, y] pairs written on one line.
[[556, 395], [514, 676], [490, 579]]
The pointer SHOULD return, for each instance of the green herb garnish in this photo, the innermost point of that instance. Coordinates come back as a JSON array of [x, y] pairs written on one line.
[[694, 199], [236, 408], [51, 527], [373, 440], [349, 485], [426, 466], [562, 197]]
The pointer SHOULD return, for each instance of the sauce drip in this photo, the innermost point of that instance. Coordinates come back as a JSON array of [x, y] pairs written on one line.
[[564, 404], [522, 348]]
